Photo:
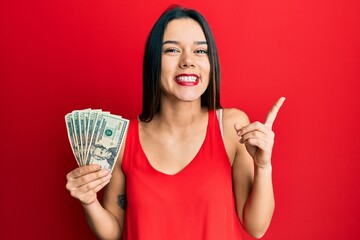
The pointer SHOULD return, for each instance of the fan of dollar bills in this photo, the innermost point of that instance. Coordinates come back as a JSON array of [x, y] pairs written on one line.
[[95, 136]]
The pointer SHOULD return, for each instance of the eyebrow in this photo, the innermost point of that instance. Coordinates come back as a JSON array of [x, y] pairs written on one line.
[[178, 43]]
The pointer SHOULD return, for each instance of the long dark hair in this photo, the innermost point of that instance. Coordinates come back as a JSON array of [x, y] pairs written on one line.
[[152, 63]]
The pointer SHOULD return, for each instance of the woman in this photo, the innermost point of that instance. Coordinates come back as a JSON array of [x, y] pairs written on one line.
[[183, 172]]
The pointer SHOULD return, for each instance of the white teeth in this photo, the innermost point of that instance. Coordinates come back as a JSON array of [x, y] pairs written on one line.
[[186, 78]]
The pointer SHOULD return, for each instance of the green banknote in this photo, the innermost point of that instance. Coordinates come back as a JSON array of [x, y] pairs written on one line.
[[71, 135], [95, 136]]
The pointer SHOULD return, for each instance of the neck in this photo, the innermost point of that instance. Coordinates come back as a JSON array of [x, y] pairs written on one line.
[[180, 116]]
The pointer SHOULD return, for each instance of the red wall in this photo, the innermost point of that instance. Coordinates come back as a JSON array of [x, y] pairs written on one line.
[[57, 56]]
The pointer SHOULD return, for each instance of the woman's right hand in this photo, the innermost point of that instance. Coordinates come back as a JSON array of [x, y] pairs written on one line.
[[84, 182]]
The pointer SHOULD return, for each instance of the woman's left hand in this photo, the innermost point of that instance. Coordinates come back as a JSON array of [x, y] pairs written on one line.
[[259, 138]]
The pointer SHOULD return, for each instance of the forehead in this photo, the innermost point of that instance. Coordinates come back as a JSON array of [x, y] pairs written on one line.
[[182, 29]]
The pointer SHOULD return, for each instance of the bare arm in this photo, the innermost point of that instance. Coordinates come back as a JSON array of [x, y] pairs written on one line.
[[254, 196], [107, 220], [252, 171], [83, 184]]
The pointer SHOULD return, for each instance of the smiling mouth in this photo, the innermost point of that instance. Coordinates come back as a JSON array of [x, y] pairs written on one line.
[[187, 80]]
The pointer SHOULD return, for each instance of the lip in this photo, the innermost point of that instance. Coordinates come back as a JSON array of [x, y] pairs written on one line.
[[187, 79]]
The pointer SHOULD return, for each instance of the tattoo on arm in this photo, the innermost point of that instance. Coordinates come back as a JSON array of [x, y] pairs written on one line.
[[121, 201]]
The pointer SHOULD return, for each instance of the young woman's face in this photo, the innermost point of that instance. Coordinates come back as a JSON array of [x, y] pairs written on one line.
[[185, 64]]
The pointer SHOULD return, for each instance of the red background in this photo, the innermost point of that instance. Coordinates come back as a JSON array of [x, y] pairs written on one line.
[[57, 56]]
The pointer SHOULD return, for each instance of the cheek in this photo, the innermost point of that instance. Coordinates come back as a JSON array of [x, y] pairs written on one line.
[[167, 64], [205, 70], [205, 66], [167, 72]]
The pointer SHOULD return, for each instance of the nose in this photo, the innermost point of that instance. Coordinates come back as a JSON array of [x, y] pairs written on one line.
[[186, 60]]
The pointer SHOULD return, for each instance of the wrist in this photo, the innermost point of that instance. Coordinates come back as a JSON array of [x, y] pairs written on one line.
[[263, 169], [264, 166], [90, 205]]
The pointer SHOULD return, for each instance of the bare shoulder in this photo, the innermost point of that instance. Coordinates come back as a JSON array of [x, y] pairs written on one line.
[[232, 116], [241, 161]]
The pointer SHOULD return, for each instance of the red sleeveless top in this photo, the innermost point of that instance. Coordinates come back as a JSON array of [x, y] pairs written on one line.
[[195, 204]]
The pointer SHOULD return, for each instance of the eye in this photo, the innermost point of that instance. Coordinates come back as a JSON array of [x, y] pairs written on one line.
[[171, 50], [201, 51]]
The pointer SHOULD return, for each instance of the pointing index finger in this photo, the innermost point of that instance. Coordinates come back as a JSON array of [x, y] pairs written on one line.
[[273, 112]]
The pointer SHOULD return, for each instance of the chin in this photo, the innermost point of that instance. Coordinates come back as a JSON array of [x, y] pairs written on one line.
[[190, 98]]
